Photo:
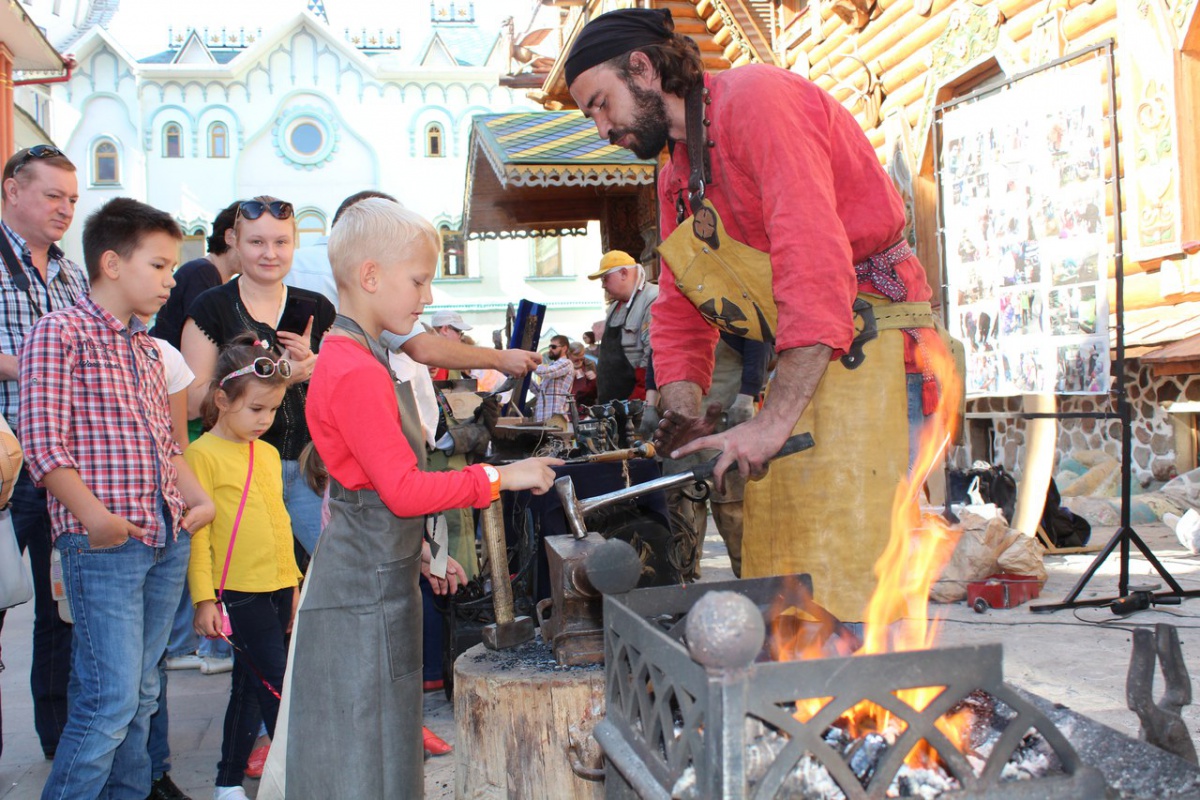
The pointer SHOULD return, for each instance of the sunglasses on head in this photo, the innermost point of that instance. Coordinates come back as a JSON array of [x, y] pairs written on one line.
[[262, 367], [253, 209], [38, 151]]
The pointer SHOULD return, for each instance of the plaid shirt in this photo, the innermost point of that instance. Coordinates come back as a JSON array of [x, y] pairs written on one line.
[[94, 395], [65, 283], [557, 378]]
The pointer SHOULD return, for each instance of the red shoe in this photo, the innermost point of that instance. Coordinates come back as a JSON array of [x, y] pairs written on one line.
[[257, 760], [434, 744], [433, 686]]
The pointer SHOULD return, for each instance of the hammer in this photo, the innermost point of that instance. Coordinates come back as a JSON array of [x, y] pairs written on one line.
[[643, 450], [506, 631], [576, 509]]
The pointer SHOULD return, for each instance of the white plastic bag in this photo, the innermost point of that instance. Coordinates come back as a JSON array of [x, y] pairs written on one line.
[[16, 587]]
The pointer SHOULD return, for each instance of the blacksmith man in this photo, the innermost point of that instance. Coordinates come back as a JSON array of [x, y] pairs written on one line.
[[781, 226]]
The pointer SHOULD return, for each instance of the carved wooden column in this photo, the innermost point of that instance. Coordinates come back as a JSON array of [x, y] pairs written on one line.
[[8, 143]]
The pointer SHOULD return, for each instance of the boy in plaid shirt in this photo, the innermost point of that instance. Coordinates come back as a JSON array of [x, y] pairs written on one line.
[[96, 427]]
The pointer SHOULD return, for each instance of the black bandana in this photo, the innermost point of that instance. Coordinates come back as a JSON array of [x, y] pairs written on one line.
[[616, 33]]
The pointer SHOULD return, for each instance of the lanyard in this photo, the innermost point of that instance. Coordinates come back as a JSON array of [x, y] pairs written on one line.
[[17, 272]]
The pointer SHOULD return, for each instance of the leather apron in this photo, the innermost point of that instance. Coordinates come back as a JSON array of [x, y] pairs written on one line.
[[615, 376], [825, 511], [356, 654]]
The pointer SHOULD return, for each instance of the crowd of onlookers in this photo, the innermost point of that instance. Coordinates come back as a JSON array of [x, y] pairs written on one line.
[[172, 470]]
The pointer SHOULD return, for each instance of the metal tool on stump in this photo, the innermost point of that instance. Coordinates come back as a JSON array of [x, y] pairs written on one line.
[[585, 566], [508, 630], [576, 509]]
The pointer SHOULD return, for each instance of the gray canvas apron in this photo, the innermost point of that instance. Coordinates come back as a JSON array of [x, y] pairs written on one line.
[[355, 720]]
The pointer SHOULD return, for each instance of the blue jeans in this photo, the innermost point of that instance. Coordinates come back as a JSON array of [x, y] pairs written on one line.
[[303, 506], [182, 641], [259, 621], [51, 666], [916, 414], [431, 669], [123, 599]]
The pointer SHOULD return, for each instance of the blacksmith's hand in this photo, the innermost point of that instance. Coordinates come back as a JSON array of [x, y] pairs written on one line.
[[518, 362], [742, 410], [748, 447], [677, 429]]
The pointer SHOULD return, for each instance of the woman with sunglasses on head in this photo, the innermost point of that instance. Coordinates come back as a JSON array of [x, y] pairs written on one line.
[[264, 236]]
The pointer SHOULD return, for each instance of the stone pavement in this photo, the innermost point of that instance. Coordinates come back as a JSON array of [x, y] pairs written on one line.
[[1064, 657]]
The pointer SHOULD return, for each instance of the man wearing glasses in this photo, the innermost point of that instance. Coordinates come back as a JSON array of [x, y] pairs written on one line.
[[557, 375], [39, 195]]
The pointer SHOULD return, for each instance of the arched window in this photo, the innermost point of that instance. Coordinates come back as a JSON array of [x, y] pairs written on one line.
[[435, 141], [106, 168], [311, 226], [218, 140], [547, 257], [194, 245], [454, 253], [172, 141]]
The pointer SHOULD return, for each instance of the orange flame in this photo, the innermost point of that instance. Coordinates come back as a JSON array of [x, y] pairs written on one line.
[[916, 553]]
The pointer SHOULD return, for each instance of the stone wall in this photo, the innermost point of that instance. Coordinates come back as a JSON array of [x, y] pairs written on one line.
[[1154, 457]]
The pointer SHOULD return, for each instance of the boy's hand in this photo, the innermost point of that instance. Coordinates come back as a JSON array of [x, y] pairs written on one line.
[[532, 473], [110, 530], [199, 515], [208, 619]]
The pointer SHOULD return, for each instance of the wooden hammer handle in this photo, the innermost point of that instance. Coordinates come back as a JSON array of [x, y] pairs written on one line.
[[497, 552]]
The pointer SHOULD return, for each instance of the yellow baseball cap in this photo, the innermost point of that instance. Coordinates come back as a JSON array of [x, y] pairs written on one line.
[[613, 259]]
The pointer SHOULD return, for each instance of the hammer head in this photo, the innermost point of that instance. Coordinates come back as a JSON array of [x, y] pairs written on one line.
[[570, 505], [503, 635]]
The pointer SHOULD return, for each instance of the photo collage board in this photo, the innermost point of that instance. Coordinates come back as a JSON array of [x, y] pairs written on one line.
[[1026, 251]]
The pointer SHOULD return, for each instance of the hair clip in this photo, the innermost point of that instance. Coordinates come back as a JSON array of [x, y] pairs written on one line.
[[263, 343]]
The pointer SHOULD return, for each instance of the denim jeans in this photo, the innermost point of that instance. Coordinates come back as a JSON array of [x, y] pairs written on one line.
[[431, 669], [916, 414], [159, 746], [123, 599], [51, 667], [303, 506], [259, 621]]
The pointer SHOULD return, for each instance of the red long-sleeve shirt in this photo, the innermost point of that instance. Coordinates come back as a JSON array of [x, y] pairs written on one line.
[[355, 424], [793, 175]]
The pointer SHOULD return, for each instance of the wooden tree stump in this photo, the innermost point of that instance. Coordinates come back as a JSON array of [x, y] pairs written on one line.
[[518, 714]]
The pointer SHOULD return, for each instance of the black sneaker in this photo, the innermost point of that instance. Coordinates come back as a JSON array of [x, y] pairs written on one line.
[[165, 789]]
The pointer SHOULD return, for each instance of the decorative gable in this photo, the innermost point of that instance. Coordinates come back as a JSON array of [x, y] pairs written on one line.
[[194, 51]]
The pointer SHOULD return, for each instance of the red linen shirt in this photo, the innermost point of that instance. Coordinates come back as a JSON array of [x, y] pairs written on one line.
[[93, 398], [794, 176], [355, 424]]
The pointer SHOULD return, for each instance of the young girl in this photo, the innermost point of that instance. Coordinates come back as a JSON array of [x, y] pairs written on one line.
[[256, 577], [353, 725]]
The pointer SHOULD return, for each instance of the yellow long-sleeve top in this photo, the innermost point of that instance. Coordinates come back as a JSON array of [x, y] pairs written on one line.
[[263, 557]]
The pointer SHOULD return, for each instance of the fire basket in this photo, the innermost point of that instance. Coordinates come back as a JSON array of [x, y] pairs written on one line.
[[733, 728]]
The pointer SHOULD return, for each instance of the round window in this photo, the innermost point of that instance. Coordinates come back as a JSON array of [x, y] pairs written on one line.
[[307, 138]]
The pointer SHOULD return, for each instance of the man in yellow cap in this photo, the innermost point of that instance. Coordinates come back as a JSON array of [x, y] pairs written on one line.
[[621, 373]]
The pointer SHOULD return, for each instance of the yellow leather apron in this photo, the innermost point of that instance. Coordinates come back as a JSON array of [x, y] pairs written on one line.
[[825, 511]]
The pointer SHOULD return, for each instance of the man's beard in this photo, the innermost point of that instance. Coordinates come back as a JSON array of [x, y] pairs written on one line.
[[649, 128]]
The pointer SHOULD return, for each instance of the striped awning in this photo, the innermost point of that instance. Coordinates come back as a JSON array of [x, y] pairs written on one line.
[[536, 173]]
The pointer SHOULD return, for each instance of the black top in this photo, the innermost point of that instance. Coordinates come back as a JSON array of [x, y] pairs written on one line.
[[221, 316], [191, 280]]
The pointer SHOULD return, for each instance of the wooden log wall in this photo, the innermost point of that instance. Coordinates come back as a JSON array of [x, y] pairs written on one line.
[[896, 46]]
